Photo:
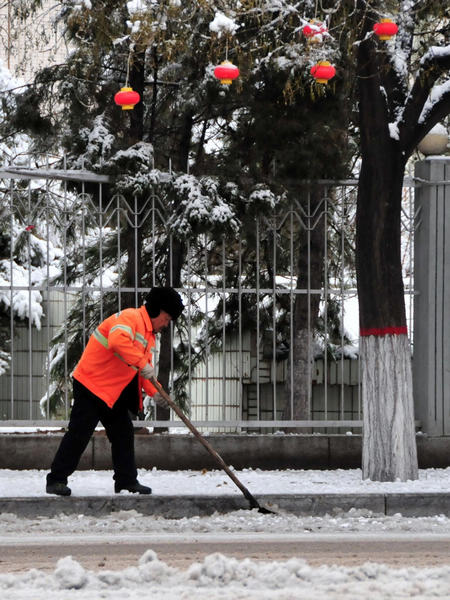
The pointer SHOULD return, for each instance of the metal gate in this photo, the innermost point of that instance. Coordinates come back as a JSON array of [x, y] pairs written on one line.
[[66, 245]]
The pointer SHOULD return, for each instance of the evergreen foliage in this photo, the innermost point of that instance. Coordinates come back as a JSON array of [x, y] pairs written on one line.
[[267, 141]]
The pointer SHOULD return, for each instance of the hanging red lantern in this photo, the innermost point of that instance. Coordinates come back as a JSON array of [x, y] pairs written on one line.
[[127, 98], [385, 29], [323, 71], [314, 31], [226, 72]]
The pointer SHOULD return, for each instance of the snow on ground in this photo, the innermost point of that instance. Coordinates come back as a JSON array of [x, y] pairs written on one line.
[[240, 521], [289, 481], [218, 577], [212, 483]]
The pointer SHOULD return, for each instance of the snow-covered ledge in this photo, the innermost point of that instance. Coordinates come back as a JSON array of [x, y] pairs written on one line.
[[431, 361]]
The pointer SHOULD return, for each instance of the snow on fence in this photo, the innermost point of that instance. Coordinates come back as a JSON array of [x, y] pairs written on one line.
[[269, 339]]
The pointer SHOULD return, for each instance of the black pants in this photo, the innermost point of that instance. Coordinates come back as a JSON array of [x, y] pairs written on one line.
[[87, 410]]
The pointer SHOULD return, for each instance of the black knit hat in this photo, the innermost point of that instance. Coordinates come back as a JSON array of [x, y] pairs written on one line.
[[164, 298]]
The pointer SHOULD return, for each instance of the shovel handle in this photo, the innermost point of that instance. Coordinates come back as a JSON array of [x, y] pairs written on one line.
[[253, 502]]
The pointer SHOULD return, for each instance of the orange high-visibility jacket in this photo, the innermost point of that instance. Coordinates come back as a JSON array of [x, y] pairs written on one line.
[[117, 350]]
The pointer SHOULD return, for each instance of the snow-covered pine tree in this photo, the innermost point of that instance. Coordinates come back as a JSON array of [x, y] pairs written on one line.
[[149, 46], [24, 259], [152, 45]]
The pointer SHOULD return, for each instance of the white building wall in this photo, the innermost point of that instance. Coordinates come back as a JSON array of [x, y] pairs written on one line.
[[29, 45]]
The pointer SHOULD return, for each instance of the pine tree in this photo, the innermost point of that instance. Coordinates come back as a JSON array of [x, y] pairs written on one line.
[[148, 48], [23, 259], [181, 106]]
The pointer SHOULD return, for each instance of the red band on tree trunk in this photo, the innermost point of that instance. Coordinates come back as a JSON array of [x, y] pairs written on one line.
[[403, 330]]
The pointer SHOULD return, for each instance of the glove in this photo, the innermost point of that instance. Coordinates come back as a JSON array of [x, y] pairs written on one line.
[[160, 400], [148, 371]]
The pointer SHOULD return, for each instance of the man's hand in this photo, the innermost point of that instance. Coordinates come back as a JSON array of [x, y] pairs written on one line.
[[148, 372], [160, 400]]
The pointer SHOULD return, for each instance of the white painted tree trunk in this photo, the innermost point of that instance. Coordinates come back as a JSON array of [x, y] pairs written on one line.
[[389, 439]]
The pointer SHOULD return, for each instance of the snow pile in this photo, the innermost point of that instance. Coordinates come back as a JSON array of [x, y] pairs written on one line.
[[358, 521], [216, 483], [219, 577], [262, 195]]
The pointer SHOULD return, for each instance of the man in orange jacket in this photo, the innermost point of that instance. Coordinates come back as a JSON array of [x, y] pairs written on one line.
[[107, 383]]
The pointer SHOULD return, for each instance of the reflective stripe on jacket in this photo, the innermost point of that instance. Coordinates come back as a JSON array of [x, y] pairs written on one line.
[[120, 346]]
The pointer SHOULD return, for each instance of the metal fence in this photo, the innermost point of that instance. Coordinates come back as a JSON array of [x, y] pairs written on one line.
[[269, 338]]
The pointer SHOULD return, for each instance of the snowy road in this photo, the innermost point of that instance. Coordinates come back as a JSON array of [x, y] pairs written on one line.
[[234, 556], [119, 551]]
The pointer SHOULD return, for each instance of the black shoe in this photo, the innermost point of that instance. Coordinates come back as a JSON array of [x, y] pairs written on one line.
[[134, 488], [58, 488]]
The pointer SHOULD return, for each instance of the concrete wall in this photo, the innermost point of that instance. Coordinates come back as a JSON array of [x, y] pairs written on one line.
[[172, 452]]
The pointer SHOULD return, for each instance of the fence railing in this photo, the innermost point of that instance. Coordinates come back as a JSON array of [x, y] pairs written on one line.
[[269, 337]]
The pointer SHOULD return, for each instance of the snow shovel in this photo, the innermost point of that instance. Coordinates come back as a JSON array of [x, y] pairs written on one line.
[[252, 500]]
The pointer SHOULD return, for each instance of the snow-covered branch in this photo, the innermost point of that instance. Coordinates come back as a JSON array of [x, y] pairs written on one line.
[[427, 103]]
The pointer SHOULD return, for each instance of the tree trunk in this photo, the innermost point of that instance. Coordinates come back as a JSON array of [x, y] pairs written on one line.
[[389, 448], [388, 436], [300, 378]]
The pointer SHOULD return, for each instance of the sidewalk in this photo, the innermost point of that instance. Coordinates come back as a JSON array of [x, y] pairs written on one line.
[[185, 493]]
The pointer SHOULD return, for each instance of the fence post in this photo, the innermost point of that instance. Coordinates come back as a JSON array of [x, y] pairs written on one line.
[[431, 360]]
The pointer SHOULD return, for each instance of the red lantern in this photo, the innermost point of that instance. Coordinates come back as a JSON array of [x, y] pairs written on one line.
[[385, 29], [323, 71], [314, 31], [226, 72], [127, 98]]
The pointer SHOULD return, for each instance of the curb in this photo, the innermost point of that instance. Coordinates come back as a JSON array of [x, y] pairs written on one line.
[[177, 507]]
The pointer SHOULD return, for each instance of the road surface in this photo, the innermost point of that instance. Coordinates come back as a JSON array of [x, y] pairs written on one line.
[[118, 551]]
